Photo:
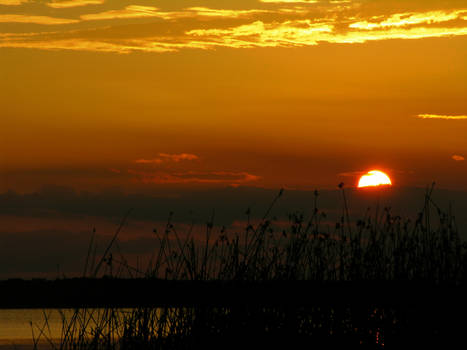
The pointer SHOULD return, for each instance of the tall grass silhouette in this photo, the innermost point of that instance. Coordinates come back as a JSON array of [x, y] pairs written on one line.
[[379, 248]]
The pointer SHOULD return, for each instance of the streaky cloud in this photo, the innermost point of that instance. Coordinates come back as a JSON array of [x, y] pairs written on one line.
[[209, 12], [90, 45], [178, 157], [131, 11], [307, 33], [73, 3], [290, 1], [149, 45], [445, 117], [45, 20], [406, 19], [195, 177], [260, 34], [165, 157], [139, 11], [13, 2], [256, 33]]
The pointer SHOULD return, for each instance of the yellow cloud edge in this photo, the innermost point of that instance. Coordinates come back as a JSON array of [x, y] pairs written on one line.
[[73, 3], [445, 117]]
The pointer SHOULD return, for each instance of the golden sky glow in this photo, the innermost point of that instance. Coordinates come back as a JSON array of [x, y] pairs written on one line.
[[300, 94]]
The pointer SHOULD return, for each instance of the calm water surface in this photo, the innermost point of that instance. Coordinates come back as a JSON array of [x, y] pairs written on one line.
[[18, 327]]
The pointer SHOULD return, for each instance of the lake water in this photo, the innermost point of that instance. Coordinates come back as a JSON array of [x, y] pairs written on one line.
[[21, 328], [18, 327]]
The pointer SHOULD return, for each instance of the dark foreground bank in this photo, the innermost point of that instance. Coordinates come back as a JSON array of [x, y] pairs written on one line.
[[121, 293], [214, 314]]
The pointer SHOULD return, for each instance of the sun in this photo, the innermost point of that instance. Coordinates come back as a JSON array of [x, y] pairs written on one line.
[[374, 178]]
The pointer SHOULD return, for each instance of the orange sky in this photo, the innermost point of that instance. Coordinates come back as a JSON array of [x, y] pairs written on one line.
[[305, 94]]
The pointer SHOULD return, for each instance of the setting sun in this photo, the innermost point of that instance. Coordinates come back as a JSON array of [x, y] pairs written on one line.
[[374, 178]]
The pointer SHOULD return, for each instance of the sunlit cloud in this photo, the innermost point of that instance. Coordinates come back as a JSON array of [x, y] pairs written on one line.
[[90, 45], [397, 33], [148, 45], [405, 19], [46, 20], [73, 3], [137, 11], [298, 32], [132, 11], [178, 157], [149, 161], [290, 1], [289, 28], [445, 117], [13, 2], [204, 11], [306, 32], [164, 157], [458, 158], [164, 173]]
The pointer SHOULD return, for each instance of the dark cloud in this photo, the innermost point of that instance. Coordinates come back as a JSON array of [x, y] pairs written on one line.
[[52, 253], [26, 252], [228, 203]]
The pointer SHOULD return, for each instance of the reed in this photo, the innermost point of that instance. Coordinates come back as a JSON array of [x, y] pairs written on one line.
[[377, 248]]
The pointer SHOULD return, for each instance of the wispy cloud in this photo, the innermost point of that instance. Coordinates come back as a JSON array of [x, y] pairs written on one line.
[[208, 28], [73, 3], [165, 157], [307, 32], [406, 19], [178, 157], [290, 1], [297, 33], [46, 20], [124, 47], [13, 2], [167, 173], [209, 12], [149, 161], [195, 177], [132, 11], [445, 117], [289, 33], [138, 11], [458, 158]]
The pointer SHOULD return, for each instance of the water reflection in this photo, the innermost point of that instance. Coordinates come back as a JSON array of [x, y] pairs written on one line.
[[20, 328], [125, 328]]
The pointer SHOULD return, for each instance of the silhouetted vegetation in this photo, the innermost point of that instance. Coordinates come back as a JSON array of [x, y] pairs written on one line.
[[408, 262]]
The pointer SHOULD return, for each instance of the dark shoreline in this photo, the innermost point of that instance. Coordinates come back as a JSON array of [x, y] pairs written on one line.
[[409, 314], [113, 292]]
